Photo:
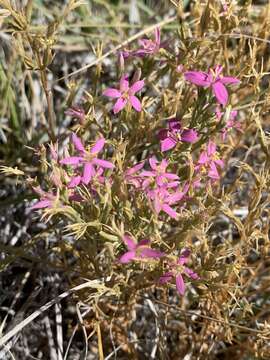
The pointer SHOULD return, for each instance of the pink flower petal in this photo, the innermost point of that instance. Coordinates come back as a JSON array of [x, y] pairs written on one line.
[[229, 80], [137, 86], [220, 92], [197, 77], [124, 83], [167, 144], [174, 198], [119, 105], [104, 163], [190, 136], [165, 278], [111, 92], [168, 210], [213, 172], [134, 168], [72, 160], [157, 205], [180, 285], [75, 181], [135, 102], [191, 274], [88, 173], [153, 162], [171, 176], [203, 158], [211, 148], [98, 146], [148, 173], [42, 204], [77, 143], [127, 257], [130, 242], [150, 253]]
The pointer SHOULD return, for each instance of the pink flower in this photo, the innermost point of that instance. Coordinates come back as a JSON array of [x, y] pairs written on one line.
[[126, 94], [163, 200], [230, 124], [171, 136], [213, 79], [159, 174], [138, 251], [208, 162], [177, 270], [148, 47], [47, 199], [132, 178], [76, 180], [76, 112], [89, 160]]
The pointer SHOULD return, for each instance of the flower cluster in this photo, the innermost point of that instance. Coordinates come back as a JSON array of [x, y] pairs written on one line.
[[157, 178], [142, 251]]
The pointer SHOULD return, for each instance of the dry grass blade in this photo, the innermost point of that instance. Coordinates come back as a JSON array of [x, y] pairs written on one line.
[[29, 319]]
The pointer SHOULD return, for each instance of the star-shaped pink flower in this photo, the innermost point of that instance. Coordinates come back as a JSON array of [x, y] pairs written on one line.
[[125, 94], [138, 251], [174, 134], [177, 270], [88, 159], [214, 80]]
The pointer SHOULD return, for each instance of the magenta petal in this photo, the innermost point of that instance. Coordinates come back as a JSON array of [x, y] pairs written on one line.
[[75, 181], [119, 105], [72, 160], [77, 142], [165, 278], [197, 77], [191, 274], [41, 204], [148, 173], [153, 162], [130, 242], [124, 83], [150, 253], [174, 198], [190, 136], [219, 162], [220, 92], [229, 80], [113, 93], [213, 173], [134, 168], [135, 102], [168, 210], [127, 257], [171, 176], [167, 144], [104, 163], [137, 86], [211, 148], [157, 205], [180, 285], [203, 158], [183, 259], [98, 146], [88, 173]]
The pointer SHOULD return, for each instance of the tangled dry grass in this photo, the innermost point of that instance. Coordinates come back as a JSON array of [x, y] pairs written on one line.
[[63, 296]]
